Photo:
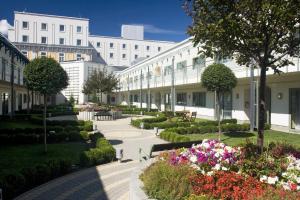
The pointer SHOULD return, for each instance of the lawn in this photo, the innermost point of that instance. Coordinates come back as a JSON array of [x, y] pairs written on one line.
[[18, 124], [17, 157], [234, 139]]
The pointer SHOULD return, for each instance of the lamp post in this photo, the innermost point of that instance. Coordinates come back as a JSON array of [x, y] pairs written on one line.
[[252, 97], [173, 87]]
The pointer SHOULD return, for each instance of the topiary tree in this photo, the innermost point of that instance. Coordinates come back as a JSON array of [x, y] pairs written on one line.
[[219, 79], [46, 76]]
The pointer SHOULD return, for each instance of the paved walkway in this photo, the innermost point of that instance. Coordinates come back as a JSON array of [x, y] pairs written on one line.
[[103, 182]]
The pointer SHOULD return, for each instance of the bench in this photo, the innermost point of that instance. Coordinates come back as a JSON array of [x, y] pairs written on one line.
[[103, 114], [170, 146]]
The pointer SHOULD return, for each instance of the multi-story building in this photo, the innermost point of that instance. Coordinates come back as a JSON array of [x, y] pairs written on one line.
[[171, 80], [59, 37], [14, 95]]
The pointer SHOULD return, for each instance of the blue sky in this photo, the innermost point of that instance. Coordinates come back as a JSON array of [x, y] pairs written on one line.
[[163, 19]]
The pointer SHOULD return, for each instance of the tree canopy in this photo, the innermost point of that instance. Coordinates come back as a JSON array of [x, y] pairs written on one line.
[[219, 78], [46, 76]]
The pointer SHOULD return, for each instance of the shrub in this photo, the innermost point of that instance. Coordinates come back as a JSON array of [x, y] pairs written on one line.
[[88, 126], [84, 135], [12, 183], [74, 136], [43, 173], [163, 181]]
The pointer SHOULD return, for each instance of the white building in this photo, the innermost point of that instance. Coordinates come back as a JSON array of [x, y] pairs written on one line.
[[182, 63], [78, 72], [14, 95]]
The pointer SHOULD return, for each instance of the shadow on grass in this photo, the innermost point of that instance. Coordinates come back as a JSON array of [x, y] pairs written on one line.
[[239, 134]]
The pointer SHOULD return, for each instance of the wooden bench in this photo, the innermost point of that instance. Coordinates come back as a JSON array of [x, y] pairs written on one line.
[[102, 114], [170, 146]]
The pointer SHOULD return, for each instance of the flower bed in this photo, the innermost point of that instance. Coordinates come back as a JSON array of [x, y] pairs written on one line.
[[224, 172]]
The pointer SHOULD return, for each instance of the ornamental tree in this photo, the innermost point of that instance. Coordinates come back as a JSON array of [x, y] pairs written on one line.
[[219, 79], [264, 33], [46, 76]]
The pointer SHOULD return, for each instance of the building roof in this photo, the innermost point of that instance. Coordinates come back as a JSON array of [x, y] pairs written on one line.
[[13, 48], [46, 15]]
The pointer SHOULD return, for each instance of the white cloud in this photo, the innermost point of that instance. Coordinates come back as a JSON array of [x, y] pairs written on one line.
[[4, 26], [148, 28]]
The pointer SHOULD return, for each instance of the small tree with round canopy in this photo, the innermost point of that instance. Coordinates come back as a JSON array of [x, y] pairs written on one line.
[[219, 79], [46, 76]]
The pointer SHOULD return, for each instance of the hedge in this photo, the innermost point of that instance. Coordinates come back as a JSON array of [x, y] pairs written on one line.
[[103, 153], [14, 182], [173, 137]]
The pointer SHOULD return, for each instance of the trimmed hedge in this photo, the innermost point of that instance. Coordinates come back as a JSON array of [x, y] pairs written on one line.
[[103, 153], [173, 137], [14, 183]]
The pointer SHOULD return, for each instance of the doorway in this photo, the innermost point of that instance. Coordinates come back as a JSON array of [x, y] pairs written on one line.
[[295, 108], [167, 102]]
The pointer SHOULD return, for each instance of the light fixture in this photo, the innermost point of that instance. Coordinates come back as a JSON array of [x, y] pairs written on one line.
[[279, 95]]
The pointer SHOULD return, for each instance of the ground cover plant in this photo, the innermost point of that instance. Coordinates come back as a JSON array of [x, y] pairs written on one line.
[[214, 170]]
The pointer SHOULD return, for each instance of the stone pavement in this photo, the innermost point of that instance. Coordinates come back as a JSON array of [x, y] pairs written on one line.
[[103, 182]]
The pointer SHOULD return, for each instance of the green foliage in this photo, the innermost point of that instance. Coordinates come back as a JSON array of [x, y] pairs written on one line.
[[46, 76], [72, 100], [219, 78], [163, 181]]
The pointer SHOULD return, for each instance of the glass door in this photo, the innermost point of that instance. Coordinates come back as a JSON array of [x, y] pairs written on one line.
[[168, 102], [295, 108], [226, 105]]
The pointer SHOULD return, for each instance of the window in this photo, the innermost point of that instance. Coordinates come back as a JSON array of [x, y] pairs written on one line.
[[111, 45], [79, 29], [19, 76], [25, 25], [199, 99], [43, 40], [148, 56], [62, 28], [3, 71], [181, 65], [199, 62], [181, 99], [98, 44], [111, 55], [136, 98], [78, 56], [123, 55], [25, 53], [136, 47], [158, 48], [61, 41], [124, 46], [25, 38], [61, 57], [44, 26], [43, 54], [135, 56], [148, 48], [78, 42], [24, 98], [98, 54], [168, 70]]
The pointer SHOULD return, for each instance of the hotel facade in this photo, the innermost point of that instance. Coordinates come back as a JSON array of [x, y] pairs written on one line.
[[171, 80], [67, 40]]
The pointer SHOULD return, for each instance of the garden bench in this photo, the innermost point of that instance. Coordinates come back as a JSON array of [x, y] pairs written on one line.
[[102, 114], [192, 116], [170, 146]]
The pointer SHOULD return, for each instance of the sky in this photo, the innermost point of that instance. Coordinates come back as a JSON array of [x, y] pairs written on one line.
[[162, 19]]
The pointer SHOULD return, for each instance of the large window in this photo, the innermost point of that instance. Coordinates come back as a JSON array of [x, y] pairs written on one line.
[[62, 28], [61, 57], [136, 98], [168, 70], [181, 99], [181, 65], [44, 40], [25, 38], [98, 44], [43, 54], [79, 29], [136, 47], [43, 26], [124, 46], [61, 41], [199, 99], [25, 25], [78, 42], [199, 62], [111, 45]]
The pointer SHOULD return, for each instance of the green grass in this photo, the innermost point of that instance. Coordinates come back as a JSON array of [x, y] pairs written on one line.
[[17, 157], [235, 139], [18, 124]]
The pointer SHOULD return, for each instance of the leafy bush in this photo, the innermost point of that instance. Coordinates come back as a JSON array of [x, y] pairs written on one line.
[[163, 181], [88, 126], [103, 153], [84, 135]]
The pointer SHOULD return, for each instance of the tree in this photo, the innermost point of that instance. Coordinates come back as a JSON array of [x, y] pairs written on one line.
[[47, 77], [219, 79], [72, 100], [263, 32], [100, 82]]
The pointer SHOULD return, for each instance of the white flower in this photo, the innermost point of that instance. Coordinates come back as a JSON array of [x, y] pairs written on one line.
[[193, 159], [210, 173], [217, 167], [272, 180], [224, 168], [263, 178], [298, 179]]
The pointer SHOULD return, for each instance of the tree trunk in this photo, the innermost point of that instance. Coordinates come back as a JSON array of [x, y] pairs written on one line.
[[28, 101], [44, 116], [262, 107], [32, 99], [218, 113]]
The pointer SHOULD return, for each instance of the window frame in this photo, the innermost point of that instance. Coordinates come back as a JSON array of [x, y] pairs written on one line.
[[200, 101], [62, 25], [42, 26], [77, 40], [44, 37], [63, 41], [183, 101], [77, 29], [25, 28], [26, 37]]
